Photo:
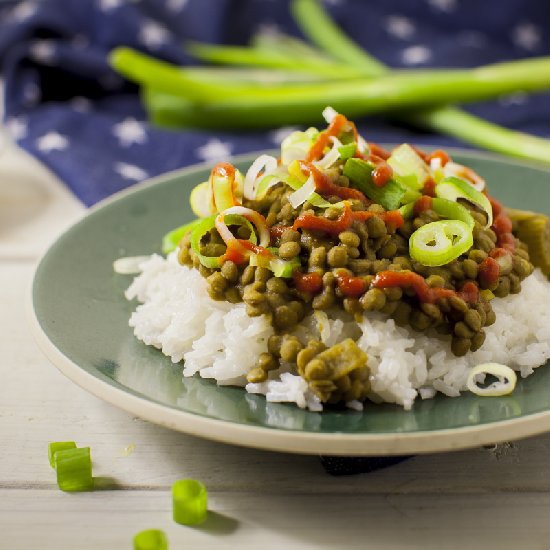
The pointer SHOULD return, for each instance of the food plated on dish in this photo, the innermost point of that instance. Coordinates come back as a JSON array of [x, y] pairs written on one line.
[[79, 318], [342, 272]]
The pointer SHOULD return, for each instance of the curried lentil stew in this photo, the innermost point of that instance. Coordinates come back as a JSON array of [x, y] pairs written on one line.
[[338, 223]]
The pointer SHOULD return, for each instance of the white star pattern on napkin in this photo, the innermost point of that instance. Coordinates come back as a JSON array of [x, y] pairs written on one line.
[[214, 150], [153, 34], [527, 36], [130, 171], [81, 104], [23, 11], [108, 5], [446, 6], [400, 26], [130, 131], [52, 141], [415, 55], [176, 5], [43, 51], [17, 127]]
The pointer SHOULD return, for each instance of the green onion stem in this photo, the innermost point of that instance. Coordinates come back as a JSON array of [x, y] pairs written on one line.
[[302, 102], [482, 133], [291, 46], [322, 31], [275, 59], [267, 77]]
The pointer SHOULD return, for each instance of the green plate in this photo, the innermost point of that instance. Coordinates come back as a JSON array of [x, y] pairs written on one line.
[[80, 320]]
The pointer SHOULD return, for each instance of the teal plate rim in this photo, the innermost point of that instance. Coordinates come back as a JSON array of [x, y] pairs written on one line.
[[277, 427]]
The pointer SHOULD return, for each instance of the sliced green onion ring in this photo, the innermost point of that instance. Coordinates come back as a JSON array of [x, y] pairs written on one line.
[[296, 145], [151, 539], [206, 224], [265, 163], [74, 469], [303, 193], [453, 211], [315, 199], [453, 188], [189, 502], [171, 240], [505, 385], [223, 190], [438, 243], [270, 180], [446, 208], [332, 156], [463, 172], [199, 231], [202, 200], [255, 217]]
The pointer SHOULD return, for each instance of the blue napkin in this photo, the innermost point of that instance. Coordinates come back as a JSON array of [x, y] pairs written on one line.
[[66, 106]]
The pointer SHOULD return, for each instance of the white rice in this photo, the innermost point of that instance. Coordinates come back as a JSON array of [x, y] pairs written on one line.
[[218, 340]]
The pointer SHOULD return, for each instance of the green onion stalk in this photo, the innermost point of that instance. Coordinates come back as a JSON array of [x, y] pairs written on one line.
[[248, 104], [322, 31]]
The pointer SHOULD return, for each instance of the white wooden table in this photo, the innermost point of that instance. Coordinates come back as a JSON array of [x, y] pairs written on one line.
[[481, 498]]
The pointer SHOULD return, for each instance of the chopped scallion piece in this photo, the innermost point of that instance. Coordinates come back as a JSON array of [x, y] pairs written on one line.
[[190, 502], [171, 240], [74, 469], [58, 446], [151, 539], [347, 151], [360, 174], [408, 164], [438, 243], [452, 210], [201, 200], [455, 188], [505, 384], [199, 231]]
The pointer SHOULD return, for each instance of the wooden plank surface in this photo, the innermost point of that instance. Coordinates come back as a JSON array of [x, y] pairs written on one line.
[[51, 520], [480, 498]]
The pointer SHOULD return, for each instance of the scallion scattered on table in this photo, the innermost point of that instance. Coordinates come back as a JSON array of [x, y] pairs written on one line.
[[189, 501], [150, 539], [74, 469]]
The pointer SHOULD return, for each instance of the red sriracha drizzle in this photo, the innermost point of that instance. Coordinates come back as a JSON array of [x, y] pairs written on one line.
[[408, 279], [382, 172], [438, 154], [375, 149], [393, 219], [338, 124], [422, 204], [350, 286], [488, 272], [324, 185], [502, 226], [238, 251], [308, 282]]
